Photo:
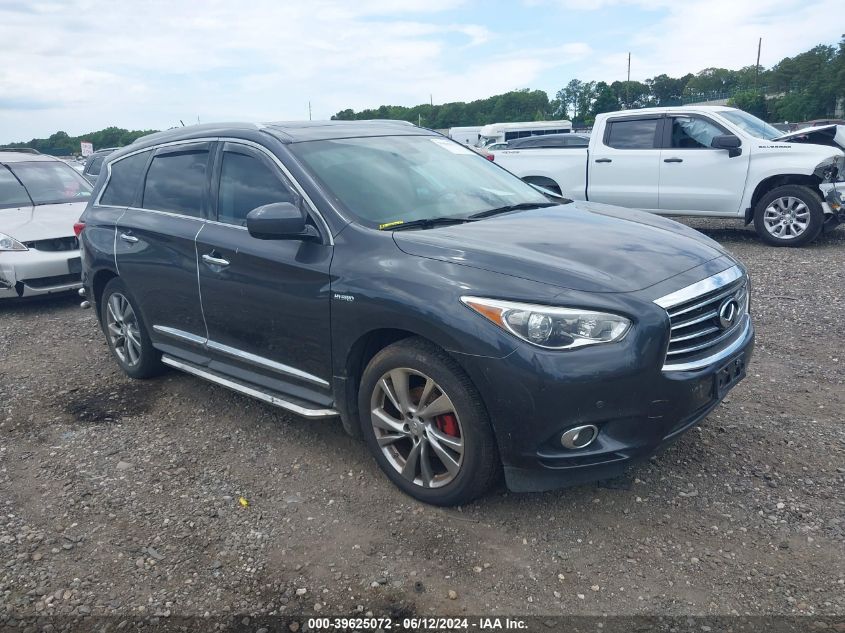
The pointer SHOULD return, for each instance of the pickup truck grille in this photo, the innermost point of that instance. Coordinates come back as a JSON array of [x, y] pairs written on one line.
[[705, 318]]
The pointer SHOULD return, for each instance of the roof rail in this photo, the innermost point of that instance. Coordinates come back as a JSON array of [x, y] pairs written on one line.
[[21, 150]]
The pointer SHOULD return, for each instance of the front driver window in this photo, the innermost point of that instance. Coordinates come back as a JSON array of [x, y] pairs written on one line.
[[693, 133], [246, 182]]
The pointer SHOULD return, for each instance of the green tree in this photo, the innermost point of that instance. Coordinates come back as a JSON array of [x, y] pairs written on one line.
[[750, 101], [605, 99]]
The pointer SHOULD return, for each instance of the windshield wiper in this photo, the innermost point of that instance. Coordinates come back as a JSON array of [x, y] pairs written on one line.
[[512, 207], [424, 223]]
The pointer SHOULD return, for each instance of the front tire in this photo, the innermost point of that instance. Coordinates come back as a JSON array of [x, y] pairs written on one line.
[[126, 333], [790, 215], [426, 425]]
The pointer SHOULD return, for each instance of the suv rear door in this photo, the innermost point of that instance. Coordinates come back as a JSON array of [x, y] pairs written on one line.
[[155, 250], [266, 302], [624, 164]]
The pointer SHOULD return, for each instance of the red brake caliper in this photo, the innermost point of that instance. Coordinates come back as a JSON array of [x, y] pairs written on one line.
[[448, 423]]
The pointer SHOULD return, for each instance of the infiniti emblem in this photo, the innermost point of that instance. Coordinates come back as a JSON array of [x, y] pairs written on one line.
[[728, 312]]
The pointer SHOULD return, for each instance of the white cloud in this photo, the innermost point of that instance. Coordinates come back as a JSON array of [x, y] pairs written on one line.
[[692, 35], [82, 65]]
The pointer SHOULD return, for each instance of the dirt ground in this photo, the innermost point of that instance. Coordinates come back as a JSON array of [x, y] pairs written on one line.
[[124, 497]]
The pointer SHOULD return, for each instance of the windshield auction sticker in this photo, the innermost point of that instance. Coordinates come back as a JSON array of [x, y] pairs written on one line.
[[455, 148]]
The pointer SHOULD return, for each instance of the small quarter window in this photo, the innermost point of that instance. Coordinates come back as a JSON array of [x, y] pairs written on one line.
[[126, 176]]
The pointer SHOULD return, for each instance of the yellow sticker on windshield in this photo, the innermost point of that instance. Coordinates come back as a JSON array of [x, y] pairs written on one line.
[[381, 227]]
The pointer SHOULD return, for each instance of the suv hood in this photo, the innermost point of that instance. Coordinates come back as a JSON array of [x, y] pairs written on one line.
[[831, 135], [41, 222], [579, 246]]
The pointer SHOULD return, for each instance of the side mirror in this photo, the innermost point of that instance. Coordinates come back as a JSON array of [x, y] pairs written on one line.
[[280, 221], [728, 142]]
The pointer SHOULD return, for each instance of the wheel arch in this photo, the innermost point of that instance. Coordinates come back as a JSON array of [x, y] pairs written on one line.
[[361, 352], [544, 181], [772, 182], [98, 284]]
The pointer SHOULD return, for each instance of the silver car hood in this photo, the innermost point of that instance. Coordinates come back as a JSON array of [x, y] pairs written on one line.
[[41, 222], [832, 135]]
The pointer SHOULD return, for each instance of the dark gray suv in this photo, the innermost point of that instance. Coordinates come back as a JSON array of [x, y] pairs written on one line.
[[461, 321]]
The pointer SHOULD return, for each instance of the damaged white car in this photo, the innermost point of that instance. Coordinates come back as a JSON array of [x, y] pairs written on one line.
[[41, 198]]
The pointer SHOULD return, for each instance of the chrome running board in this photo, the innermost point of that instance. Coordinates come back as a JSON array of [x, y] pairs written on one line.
[[312, 414]]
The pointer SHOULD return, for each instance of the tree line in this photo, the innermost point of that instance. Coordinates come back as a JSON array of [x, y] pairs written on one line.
[[61, 144], [806, 86]]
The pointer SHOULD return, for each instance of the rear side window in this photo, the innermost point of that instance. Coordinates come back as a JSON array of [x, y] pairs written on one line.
[[126, 176], [176, 182], [246, 182], [94, 164], [12, 193], [632, 134]]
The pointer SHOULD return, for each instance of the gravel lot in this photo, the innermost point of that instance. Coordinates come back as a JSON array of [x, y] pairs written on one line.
[[124, 497]]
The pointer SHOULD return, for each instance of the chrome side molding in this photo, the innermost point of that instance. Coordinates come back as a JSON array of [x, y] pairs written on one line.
[[254, 359], [246, 357], [313, 414]]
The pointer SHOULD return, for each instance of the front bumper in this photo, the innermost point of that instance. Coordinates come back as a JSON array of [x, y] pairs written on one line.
[[534, 397], [33, 273]]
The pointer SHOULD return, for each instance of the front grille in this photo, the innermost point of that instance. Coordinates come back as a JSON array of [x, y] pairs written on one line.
[[39, 283], [55, 244], [698, 330]]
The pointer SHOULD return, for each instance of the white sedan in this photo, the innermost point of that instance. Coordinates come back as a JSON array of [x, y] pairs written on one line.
[[41, 198]]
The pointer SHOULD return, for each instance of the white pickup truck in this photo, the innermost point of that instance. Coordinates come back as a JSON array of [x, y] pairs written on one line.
[[704, 161]]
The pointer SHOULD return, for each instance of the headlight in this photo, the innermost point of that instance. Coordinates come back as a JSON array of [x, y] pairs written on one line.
[[8, 243], [831, 169], [551, 327]]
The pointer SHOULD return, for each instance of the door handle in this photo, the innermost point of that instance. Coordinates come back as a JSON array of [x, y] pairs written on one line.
[[604, 160], [215, 261], [128, 238], [673, 160]]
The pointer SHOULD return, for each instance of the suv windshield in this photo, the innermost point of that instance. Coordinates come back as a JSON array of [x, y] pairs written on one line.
[[397, 179], [51, 182], [751, 124]]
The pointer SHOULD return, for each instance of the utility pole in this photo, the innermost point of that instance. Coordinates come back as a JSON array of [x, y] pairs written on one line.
[[757, 66], [309, 110], [628, 84]]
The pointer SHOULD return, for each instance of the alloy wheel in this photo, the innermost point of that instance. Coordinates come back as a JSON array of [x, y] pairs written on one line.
[[123, 329], [786, 218], [417, 428]]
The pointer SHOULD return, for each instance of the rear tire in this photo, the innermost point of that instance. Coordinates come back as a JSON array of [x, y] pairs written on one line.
[[426, 425], [126, 332], [790, 215]]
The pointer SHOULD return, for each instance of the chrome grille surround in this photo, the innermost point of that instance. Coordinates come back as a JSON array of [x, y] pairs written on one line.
[[698, 337]]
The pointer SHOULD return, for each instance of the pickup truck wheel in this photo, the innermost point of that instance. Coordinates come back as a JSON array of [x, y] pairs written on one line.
[[790, 215], [426, 425]]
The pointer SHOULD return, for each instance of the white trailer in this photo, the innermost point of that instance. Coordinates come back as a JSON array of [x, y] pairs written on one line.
[[467, 135], [503, 132]]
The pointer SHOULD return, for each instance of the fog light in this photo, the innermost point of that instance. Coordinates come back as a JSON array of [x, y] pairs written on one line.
[[579, 436]]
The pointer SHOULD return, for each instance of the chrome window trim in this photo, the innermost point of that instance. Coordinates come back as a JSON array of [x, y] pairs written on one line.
[[255, 393], [225, 139], [718, 356], [699, 288], [253, 359]]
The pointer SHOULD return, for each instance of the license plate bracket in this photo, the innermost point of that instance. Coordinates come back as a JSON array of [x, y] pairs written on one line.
[[729, 375], [74, 265]]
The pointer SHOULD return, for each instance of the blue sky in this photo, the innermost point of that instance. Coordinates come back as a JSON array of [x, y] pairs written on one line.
[[82, 65]]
